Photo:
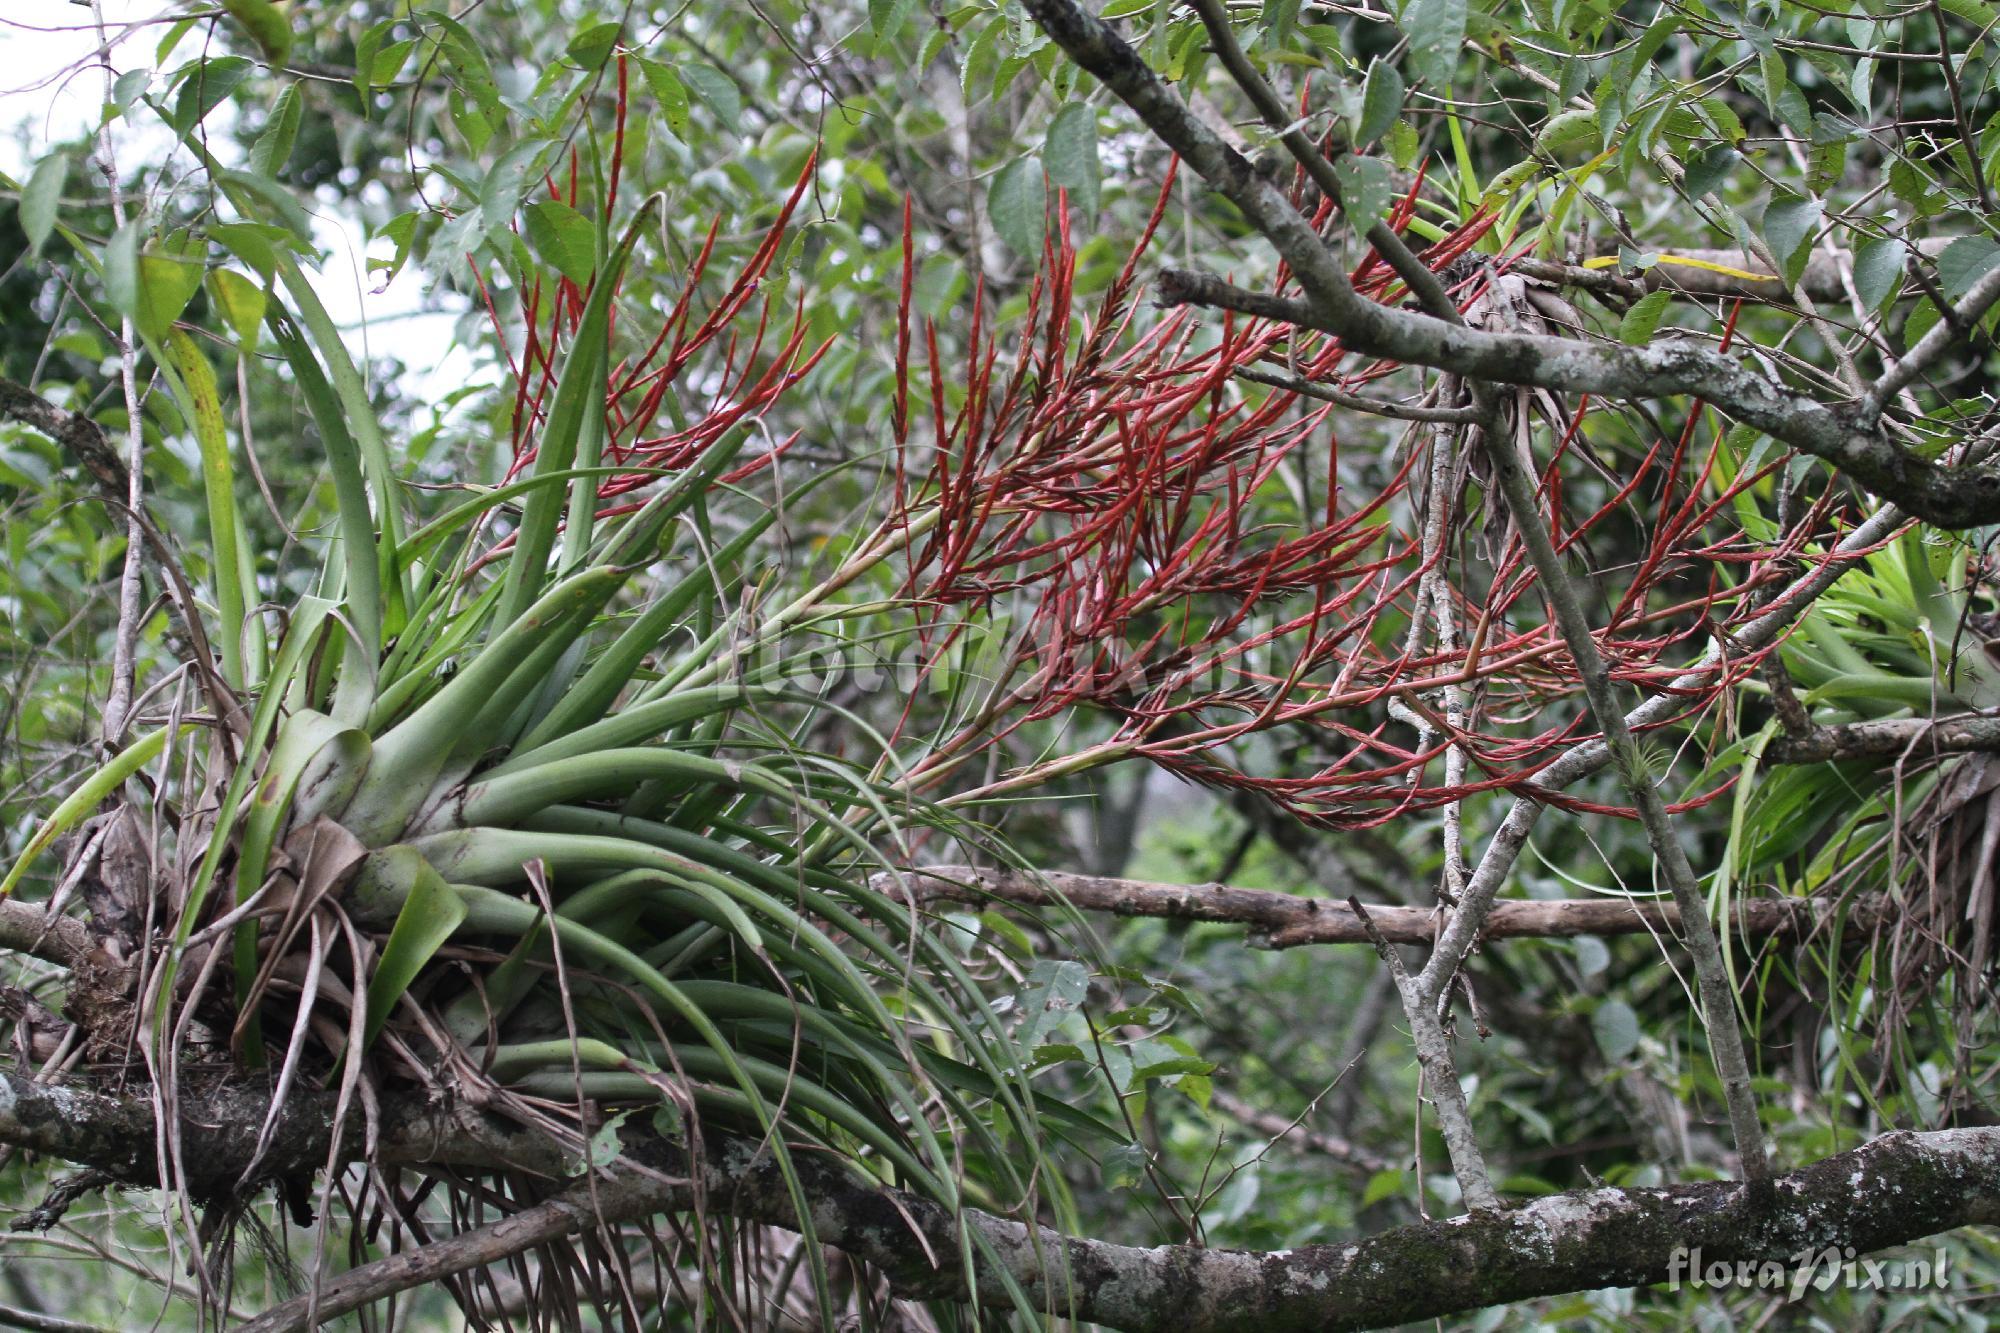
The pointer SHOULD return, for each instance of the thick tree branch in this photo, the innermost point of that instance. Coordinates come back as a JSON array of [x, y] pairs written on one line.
[[1917, 737], [1956, 495], [1895, 1190], [220, 1125], [27, 928], [1287, 921], [1846, 435]]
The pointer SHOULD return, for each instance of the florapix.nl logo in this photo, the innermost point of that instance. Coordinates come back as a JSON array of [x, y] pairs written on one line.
[[1811, 1270]]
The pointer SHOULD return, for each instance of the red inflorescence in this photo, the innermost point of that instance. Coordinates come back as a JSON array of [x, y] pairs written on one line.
[[1113, 473], [754, 372], [1151, 513]]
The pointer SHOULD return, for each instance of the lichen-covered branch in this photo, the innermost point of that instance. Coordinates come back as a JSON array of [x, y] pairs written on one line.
[[1441, 1086], [1915, 737], [1895, 1190]]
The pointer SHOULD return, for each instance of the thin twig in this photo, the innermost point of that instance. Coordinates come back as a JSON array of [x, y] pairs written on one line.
[[124, 653], [35, 1322], [1280, 920], [1380, 407]]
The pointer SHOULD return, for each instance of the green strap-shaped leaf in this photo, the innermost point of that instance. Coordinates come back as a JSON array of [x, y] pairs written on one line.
[[256, 197], [431, 913], [79, 803], [496, 911], [458, 516], [502, 800], [218, 478], [579, 394], [587, 701], [409, 758], [643, 722]]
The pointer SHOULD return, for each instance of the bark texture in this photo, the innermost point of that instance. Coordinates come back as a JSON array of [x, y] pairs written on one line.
[[1914, 737], [80, 435], [1897, 1189]]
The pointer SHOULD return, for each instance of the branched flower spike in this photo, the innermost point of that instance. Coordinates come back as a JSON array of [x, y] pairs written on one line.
[[1092, 476]]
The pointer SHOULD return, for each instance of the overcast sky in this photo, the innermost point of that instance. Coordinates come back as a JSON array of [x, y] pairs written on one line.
[[50, 91]]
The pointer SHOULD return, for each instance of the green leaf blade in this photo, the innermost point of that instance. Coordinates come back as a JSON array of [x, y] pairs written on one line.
[[1070, 155], [41, 199], [1017, 204], [1639, 324]]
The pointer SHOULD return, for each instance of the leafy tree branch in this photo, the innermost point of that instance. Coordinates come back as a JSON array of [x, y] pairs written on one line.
[[1846, 435]]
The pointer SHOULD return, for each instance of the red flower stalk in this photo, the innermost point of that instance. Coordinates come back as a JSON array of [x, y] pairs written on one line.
[[1148, 515], [740, 381]]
